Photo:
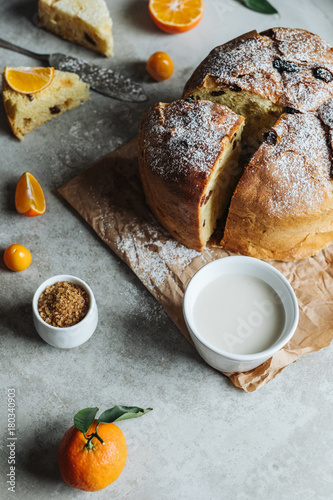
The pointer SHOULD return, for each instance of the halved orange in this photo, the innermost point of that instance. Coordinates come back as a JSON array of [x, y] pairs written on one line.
[[29, 196], [28, 80], [176, 16]]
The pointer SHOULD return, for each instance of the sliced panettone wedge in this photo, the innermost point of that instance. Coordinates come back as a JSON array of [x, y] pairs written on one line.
[[86, 22], [282, 207], [188, 157], [25, 112]]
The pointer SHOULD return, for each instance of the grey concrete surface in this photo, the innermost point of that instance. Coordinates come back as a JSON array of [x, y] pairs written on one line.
[[204, 439]]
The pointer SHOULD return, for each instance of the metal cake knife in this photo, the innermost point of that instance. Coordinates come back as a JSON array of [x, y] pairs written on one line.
[[103, 80]]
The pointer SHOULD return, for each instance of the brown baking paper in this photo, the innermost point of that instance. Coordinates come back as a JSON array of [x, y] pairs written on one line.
[[109, 197]]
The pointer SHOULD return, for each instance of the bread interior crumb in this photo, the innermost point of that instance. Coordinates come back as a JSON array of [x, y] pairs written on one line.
[[260, 114], [220, 187]]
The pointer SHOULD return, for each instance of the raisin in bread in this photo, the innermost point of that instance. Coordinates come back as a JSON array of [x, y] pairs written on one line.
[[25, 112], [188, 154], [86, 22]]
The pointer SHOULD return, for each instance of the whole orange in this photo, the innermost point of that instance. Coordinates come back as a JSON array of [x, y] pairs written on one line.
[[92, 467]]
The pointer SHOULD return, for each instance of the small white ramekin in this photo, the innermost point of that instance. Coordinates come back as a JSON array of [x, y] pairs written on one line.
[[71, 336], [222, 360]]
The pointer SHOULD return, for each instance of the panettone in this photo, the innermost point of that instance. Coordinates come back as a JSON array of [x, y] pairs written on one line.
[[25, 112], [281, 81], [188, 154]]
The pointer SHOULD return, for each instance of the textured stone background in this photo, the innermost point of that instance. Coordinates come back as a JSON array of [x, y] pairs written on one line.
[[205, 439]]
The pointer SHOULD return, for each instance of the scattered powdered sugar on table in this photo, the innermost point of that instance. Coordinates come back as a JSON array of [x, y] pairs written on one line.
[[76, 130], [151, 251], [151, 311]]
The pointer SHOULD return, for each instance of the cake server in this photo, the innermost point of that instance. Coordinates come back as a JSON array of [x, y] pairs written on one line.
[[103, 80]]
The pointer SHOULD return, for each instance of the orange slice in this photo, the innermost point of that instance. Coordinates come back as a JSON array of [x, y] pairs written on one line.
[[29, 196], [176, 16], [28, 80]]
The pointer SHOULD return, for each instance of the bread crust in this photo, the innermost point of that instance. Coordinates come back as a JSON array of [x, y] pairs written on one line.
[[282, 65], [282, 207], [179, 146]]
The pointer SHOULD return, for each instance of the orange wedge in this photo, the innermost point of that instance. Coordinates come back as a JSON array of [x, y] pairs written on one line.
[[176, 16], [29, 196], [28, 80]]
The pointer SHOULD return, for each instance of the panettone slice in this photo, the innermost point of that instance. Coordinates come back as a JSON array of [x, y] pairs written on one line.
[[188, 158], [282, 207], [86, 22], [25, 112]]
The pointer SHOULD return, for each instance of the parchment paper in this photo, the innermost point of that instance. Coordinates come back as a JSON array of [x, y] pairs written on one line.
[[109, 197]]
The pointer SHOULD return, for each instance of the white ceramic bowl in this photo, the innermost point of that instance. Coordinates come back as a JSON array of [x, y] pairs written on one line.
[[71, 336], [222, 360]]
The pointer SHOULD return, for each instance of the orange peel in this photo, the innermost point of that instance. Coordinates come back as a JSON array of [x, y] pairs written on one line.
[[29, 196]]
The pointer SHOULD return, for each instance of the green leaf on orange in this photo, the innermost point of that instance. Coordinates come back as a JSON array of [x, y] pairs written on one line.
[[84, 418], [121, 413]]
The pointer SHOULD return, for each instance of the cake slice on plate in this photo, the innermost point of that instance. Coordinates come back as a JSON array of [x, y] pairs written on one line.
[[27, 111], [86, 22]]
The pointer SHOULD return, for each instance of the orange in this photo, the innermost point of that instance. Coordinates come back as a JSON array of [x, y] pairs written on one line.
[[29, 196], [160, 66], [92, 466], [28, 80], [17, 257], [176, 16]]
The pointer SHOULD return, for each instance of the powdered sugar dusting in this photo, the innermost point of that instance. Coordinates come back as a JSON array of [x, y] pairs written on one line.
[[326, 113], [244, 62], [185, 136], [301, 46], [140, 241], [298, 165], [249, 63], [154, 255], [304, 188], [247, 56]]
